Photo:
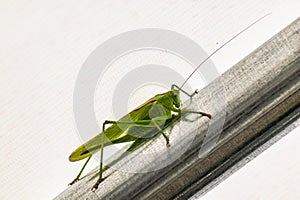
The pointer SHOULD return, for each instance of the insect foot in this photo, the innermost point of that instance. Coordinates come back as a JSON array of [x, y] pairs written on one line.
[[74, 181], [95, 187], [167, 140], [209, 116]]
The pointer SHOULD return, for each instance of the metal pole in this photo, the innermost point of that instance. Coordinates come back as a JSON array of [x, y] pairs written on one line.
[[253, 105]]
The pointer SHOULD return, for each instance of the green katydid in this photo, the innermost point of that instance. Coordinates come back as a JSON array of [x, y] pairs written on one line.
[[143, 123]]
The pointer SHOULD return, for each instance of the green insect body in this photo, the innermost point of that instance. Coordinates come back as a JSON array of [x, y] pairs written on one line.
[[138, 126], [119, 133]]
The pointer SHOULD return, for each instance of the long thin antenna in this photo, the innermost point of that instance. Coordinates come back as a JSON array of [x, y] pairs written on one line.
[[206, 59]]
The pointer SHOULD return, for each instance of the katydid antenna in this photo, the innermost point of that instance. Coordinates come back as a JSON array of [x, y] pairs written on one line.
[[218, 49]]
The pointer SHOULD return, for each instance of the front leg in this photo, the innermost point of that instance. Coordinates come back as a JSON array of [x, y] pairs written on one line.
[[197, 112], [183, 91]]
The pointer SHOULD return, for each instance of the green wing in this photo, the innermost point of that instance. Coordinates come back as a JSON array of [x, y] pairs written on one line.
[[120, 133], [115, 134]]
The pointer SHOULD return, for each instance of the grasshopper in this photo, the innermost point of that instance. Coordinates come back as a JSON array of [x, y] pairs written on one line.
[[143, 123]]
